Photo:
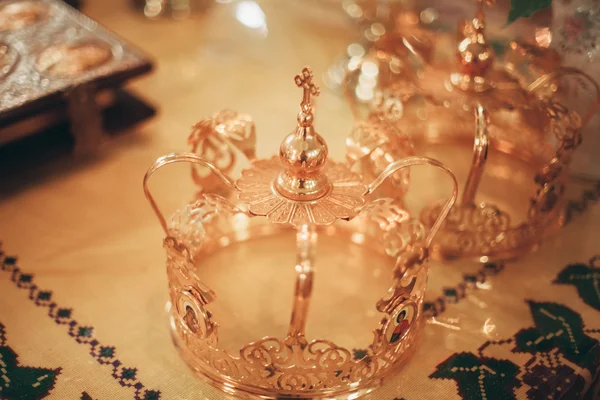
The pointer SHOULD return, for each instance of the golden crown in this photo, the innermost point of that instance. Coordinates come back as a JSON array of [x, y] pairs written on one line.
[[501, 124], [216, 245]]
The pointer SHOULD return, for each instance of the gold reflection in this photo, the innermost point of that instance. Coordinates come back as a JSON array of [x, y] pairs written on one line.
[[434, 321], [488, 327]]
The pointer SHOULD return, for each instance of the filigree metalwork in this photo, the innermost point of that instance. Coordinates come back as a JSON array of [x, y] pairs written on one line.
[[483, 229], [566, 128], [372, 145], [473, 90], [303, 191], [397, 229], [478, 230], [301, 367], [206, 216], [343, 200], [292, 365], [221, 139]]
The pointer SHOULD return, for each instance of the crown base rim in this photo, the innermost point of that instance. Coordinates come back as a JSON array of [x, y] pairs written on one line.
[[245, 391]]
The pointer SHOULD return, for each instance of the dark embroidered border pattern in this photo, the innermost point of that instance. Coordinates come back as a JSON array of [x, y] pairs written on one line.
[[105, 355], [452, 295], [587, 198]]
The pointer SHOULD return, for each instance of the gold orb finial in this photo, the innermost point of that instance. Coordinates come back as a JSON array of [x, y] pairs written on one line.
[[303, 152]]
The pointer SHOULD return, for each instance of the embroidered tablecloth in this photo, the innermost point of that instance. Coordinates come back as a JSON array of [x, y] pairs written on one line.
[[83, 283]]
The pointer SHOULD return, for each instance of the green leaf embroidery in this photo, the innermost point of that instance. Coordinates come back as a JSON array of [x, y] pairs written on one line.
[[480, 378], [556, 326], [545, 380], [23, 383], [587, 281], [525, 8]]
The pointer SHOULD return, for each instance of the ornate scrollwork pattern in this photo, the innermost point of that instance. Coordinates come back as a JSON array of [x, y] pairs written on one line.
[[299, 366], [484, 229], [566, 127], [208, 215], [477, 230], [420, 104], [293, 364], [397, 230], [372, 145], [220, 139], [345, 197]]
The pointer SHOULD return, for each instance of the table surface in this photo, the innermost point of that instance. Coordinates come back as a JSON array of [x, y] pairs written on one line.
[[82, 307]]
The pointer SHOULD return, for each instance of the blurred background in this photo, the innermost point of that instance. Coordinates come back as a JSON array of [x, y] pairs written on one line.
[[212, 54]]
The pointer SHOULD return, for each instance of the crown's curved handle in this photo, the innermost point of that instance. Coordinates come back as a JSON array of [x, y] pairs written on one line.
[[176, 158], [565, 71], [412, 161], [480, 153]]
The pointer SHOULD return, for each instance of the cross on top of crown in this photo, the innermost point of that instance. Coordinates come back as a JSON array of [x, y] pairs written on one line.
[[304, 80]]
